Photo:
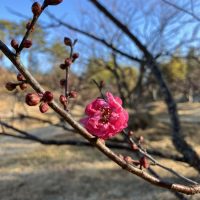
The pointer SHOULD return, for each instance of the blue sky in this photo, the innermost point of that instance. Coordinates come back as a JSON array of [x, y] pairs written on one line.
[[72, 11], [24, 6], [68, 10]]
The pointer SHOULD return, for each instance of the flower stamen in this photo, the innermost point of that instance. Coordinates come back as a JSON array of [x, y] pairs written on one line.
[[105, 115]]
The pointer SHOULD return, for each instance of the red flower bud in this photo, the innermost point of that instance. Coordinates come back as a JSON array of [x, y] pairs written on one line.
[[68, 62], [75, 56], [53, 2], [10, 86], [144, 162], [62, 82], [48, 96], [36, 8], [20, 77], [23, 86], [14, 44], [27, 43], [44, 107], [67, 41], [63, 66], [73, 94], [63, 99], [32, 99]]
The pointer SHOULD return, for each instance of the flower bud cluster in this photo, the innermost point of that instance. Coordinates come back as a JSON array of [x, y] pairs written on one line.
[[68, 61], [22, 83], [26, 44], [64, 99], [33, 99]]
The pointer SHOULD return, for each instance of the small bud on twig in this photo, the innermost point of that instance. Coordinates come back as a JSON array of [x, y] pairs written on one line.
[[23, 86], [63, 66], [48, 96], [10, 86], [27, 43], [75, 56], [73, 94], [63, 99], [68, 62], [32, 99], [20, 77], [44, 107], [14, 44], [67, 41], [36, 9]]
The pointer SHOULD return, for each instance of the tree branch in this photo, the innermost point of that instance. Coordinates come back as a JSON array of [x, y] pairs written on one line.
[[181, 145]]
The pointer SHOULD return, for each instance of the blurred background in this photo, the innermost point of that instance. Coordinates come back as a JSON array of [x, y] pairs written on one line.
[[170, 30]]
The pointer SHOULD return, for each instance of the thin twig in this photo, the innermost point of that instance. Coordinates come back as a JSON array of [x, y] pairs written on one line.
[[29, 29], [99, 88], [182, 9], [144, 153]]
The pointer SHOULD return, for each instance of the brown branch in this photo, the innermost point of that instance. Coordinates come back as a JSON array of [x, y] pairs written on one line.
[[178, 195], [186, 189], [190, 155]]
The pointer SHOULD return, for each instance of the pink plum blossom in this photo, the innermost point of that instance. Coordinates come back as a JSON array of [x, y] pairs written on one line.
[[105, 117]]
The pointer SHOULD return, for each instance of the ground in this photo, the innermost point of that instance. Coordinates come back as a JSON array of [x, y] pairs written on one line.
[[32, 171]]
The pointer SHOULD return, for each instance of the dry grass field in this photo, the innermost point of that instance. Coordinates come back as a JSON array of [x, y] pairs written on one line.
[[32, 171]]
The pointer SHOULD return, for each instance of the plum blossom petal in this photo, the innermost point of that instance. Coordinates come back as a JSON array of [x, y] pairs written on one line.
[[94, 107], [105, 117], [114, 103]]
